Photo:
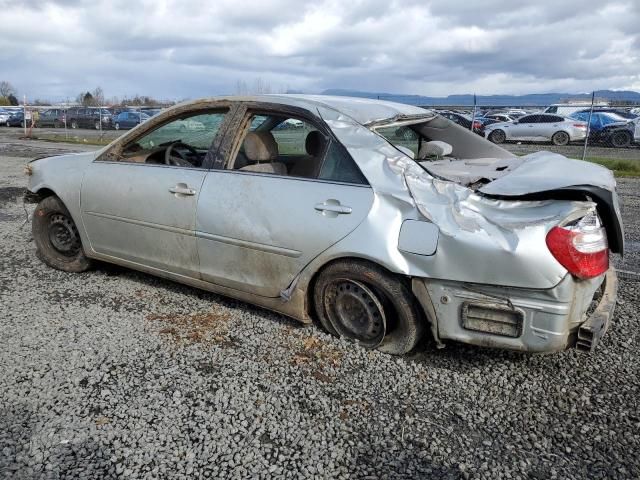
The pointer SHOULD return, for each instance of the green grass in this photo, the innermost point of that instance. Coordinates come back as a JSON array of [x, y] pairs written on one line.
[[74, 139], [620, 168]]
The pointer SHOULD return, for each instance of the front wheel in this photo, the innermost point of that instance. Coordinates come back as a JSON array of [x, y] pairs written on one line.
[[364, 303], [74, 124], [97, 125], [117, 126], [497, 136], [56, 237]]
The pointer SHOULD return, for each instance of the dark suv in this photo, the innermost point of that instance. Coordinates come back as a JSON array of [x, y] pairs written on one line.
[[54, 117], [88, 117]]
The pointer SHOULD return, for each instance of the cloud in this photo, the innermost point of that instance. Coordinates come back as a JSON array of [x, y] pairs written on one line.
[[191, 48]]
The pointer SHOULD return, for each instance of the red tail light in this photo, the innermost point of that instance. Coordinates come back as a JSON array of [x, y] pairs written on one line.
[[581, 247]]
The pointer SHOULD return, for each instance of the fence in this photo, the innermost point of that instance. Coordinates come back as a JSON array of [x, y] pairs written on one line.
[[590, 131]]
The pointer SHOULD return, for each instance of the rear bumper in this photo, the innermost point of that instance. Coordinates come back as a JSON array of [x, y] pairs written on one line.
[[594, 328], [519, 319]]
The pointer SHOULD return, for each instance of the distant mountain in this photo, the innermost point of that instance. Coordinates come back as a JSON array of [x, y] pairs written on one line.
[[534, 100]]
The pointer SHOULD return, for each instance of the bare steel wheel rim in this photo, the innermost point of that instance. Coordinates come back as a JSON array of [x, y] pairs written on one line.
[[63, 235], [355, 312]]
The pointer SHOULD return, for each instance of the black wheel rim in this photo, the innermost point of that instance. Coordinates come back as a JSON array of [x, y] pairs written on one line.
[[562, 138], [499, 136], [63, 235], [619, 139], [355, 312]]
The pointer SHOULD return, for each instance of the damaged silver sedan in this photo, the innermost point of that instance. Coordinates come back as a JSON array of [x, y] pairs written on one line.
[[384, 222]]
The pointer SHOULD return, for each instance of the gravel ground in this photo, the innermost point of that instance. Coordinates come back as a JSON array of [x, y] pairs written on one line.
[[116, 374]]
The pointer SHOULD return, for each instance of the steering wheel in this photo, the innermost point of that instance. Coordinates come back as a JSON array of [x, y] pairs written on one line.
[[173, 156]]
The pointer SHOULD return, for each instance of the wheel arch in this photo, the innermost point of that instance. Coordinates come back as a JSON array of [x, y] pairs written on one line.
[[561, 131], [319, 268]]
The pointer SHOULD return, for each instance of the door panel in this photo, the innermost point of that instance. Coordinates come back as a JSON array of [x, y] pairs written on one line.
[[255, 232], [129, 212]]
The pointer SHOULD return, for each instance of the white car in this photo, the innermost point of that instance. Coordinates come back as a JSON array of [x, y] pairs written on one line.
[[541, 127], [4, 116]]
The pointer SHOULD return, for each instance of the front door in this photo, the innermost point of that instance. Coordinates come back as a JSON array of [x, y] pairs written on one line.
[[142, 208]]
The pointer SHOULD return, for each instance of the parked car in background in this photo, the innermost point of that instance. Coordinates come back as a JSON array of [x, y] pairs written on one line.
[[88, 117], [17, 120], [54, 117], [127, 119], [380, 246], [501, 117], [464, 121], [151, 111], [538, 127], [4, 116], [608, 128], [616, 111], [567, 109]]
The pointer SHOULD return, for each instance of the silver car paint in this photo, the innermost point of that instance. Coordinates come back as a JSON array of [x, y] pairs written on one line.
[[271, 235], [128, 212], [518, 130], [498, 244]]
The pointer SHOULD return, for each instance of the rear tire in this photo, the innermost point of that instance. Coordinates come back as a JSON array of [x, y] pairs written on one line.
[[57, 124], [620, 139], [560, 139], [497, 136], [74, 124], [366, 304], [117, 126], [56, 237], [97, 125]]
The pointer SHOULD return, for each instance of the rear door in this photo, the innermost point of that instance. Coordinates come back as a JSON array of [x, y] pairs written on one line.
[[143, 210], [257, 231], [526, 128]]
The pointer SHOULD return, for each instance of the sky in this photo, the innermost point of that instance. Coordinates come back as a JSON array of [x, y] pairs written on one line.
[[177, 49]]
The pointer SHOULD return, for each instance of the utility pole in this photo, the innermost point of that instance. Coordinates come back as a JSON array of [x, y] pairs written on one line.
[[473, 115], [24, 113], [586, 139]]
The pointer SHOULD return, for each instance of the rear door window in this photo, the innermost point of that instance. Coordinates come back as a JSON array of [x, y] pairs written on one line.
[[301, 150]]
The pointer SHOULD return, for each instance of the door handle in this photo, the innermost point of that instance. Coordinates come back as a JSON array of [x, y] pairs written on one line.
[[182, 189], [333, 206]]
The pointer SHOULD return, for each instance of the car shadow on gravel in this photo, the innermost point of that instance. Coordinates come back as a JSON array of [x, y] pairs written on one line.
[[112, 270]]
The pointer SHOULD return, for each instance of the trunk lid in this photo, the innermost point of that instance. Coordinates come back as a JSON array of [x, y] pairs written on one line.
[[540, 176]]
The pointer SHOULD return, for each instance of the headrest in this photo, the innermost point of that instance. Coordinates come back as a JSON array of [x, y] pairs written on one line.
[[435, 148], [260, 147], [315, 143]]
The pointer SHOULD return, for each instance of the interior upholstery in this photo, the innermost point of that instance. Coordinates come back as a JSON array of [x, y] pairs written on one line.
[[277, 168], [260, 147], [435, 148], [314, 144]]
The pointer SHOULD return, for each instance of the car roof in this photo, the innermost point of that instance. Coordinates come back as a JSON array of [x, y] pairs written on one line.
[[362, 110]]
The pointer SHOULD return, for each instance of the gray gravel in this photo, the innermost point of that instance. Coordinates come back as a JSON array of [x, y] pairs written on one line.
[[116, 374]]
